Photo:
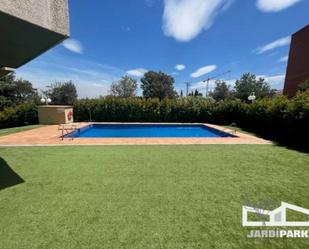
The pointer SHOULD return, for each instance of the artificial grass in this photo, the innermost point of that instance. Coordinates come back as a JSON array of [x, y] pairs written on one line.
[[8, 131], [144, 196]]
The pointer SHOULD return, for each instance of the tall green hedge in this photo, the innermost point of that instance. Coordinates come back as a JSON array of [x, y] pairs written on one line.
[[18, 116], [277, 118]]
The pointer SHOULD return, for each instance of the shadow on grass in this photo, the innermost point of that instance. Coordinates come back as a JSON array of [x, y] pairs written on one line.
[[289, 142], [8, 177]]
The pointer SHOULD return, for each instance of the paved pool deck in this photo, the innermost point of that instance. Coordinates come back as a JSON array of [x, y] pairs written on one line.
[[51, 136]]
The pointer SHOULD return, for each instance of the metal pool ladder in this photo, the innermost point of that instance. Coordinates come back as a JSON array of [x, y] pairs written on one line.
[[232, 127], [66, 130]]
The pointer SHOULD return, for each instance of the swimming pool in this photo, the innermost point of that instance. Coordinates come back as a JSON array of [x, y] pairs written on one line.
[[147, 131]]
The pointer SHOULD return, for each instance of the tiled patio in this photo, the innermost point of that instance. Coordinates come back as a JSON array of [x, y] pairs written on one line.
[[50, 135]]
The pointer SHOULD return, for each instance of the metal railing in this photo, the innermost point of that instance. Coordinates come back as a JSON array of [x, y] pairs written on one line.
[[232, 127], [66, 130]]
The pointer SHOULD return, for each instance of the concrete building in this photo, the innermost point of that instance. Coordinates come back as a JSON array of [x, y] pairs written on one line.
[[28, 28], [298, 64], [55, 114]]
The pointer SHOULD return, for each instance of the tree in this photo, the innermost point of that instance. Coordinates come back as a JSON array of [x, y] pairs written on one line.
[[195, 93], [181, 93], [222, 91], [248, 83], [126, 87], [62, 93], [158, 85], [16, 91], [304, 86]]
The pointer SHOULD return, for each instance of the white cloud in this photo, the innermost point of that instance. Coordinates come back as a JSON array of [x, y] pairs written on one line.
[[126, 28], [185, 19], [180, 67], [91, 78], [73, 45], [98, 85], [150, 3], [283, 59], [276, 81], [86, 87], [201, 85], [275, 5], [203, 70], [275, 44], [139, 72]]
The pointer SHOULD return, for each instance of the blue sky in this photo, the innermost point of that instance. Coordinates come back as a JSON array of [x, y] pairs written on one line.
[[189, 39]]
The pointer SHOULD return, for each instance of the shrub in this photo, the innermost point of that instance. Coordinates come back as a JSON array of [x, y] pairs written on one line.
[[18, 116], [280, 118], [298, 118], [277, 118]]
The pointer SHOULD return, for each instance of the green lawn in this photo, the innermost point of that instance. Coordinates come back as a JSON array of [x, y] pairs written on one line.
[[144, 196], [8, 131]]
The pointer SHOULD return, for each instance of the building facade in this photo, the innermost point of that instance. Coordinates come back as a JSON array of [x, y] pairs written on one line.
[[298, 63], [28, 28]]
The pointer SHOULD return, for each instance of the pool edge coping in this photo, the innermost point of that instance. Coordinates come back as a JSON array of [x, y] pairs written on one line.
[[214, 129], [50, 136]]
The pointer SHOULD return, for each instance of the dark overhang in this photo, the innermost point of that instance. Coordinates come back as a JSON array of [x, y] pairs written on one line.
[[22, 41]]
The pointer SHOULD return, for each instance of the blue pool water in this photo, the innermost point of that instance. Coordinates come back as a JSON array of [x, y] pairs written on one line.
[[145, 130]]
